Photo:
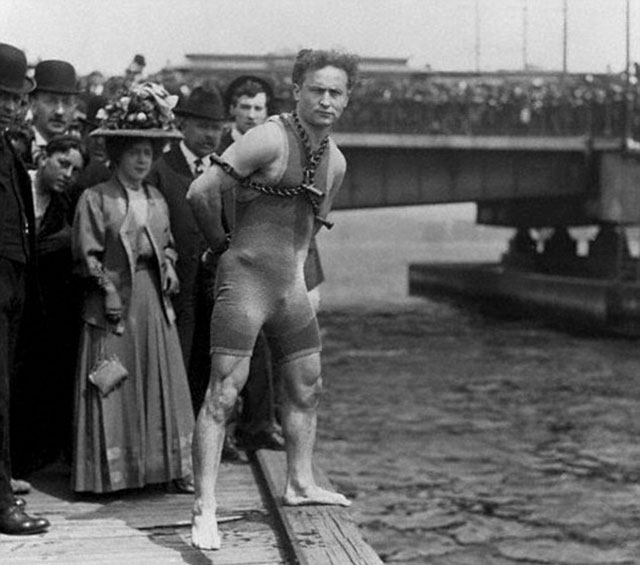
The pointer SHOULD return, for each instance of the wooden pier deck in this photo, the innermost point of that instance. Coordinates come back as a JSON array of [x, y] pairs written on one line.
[[152, 526]]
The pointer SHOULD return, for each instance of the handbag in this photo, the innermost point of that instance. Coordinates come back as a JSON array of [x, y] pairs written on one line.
[[108, 372]]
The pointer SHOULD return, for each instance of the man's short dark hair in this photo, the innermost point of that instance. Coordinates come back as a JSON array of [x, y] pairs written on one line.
[[250, 88], [63, 144], [314, 59]]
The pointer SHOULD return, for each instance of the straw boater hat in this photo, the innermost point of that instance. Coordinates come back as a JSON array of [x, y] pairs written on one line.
[[13, 68], [146, 110]]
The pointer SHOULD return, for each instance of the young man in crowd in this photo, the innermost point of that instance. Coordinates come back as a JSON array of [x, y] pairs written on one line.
[[42, 399], [253, 424]]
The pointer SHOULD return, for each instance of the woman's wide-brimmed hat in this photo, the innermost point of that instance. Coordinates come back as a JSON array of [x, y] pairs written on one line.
[[13, 70], [144, 111], [240, 81], [56, 76], [203, 103]]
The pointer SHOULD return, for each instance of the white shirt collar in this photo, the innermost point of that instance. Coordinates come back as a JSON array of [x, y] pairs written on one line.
[[235, 133], [38, 138], [191, 158]]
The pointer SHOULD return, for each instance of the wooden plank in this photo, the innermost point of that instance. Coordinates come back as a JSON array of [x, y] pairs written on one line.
[[241, 548], [146, 527], [319, 535]]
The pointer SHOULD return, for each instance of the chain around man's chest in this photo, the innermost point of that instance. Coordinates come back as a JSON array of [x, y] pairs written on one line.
[[306, 188]]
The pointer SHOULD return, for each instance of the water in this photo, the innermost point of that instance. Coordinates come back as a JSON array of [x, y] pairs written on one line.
[[367, 253], [466, 438]]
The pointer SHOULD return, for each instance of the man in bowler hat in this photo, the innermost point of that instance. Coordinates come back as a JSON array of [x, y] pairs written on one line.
[[200, 119], [17, 244], [53, 103]]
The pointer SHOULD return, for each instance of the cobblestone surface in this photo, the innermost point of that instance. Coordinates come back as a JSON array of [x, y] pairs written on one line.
[[466, 439]]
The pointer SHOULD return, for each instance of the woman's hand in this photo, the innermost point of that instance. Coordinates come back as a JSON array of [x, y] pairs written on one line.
[[171, 282], [112, 306]]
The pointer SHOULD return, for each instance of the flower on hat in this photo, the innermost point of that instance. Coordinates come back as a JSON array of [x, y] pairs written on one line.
[[144, 106]]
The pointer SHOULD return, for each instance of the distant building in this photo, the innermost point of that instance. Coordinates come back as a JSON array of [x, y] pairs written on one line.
[[278, 63]]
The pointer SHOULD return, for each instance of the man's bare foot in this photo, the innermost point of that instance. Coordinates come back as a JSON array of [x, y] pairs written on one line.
[[204, 531], [314, 495]]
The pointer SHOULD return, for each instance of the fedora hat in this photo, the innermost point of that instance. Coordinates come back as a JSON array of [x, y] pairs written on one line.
[[240, 81], [202, 103], [56, 76], [13, 70]]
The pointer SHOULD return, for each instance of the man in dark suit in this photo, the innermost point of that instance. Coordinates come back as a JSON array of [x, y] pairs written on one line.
[[201, 119], [53, 103], [17, 248], [42, 397]]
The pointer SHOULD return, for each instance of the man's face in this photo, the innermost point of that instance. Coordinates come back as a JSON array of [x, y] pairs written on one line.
[[9, 107], [201, 136], [250, 112], [322, 97], [52, 112], [58, 172]]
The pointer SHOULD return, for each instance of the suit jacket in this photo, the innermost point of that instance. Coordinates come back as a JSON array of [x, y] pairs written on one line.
[[104, 244], [23, 192], [172, 176]]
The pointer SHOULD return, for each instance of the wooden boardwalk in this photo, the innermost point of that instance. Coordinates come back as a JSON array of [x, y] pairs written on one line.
[[152, 526]]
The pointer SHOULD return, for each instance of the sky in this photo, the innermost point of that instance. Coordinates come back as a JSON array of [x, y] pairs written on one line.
[[446, 34]]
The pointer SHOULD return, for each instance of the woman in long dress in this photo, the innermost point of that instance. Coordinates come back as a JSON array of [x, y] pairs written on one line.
[[139, 433]]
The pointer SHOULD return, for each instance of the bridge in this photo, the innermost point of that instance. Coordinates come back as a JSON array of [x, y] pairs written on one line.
[[542, 183], [539, 151]]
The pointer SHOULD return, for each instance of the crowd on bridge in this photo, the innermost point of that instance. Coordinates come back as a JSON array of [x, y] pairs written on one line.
[[516, 104]]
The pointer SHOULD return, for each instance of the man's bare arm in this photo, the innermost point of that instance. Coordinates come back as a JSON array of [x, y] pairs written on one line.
[[204, 197], [254, 152]]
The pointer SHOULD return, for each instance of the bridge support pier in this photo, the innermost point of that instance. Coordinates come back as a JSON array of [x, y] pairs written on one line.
[[522, 252], [609, 256], [560, 254]]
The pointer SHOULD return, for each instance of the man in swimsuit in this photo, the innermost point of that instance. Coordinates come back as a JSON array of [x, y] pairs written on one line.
[[286, 173]]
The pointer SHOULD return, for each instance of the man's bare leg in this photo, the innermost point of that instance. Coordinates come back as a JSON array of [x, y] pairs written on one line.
[[228, 375], [302, 384]]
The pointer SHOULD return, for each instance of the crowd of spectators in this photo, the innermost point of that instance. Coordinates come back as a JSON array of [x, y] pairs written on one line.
[[491, 104], [518, 104]]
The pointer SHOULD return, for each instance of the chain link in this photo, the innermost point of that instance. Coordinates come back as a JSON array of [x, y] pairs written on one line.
[[307, 188]]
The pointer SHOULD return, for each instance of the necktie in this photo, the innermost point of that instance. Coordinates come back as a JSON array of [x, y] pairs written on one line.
[[198, 167]]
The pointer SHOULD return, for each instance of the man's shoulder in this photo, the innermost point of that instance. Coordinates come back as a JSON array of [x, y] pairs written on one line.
[[171, 161], [336, 156], [267, 141]]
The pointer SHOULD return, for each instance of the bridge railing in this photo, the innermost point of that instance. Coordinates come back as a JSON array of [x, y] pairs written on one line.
[[469, 118], [551, 105]]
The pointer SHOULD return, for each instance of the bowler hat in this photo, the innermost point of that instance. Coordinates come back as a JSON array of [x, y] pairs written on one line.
[[56, 76], [202, 103], [240, 81], [13, 68]]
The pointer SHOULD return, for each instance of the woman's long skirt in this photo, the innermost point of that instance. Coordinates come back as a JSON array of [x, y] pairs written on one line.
[[141, 432]]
